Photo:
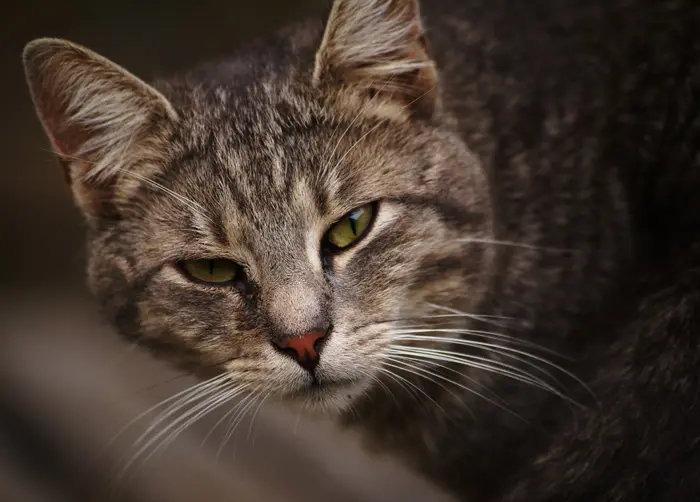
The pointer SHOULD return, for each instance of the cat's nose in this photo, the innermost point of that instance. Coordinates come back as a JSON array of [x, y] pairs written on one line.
[[305, 349]]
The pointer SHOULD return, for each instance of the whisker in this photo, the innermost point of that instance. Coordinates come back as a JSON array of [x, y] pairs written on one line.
[[252, 419], [215, 396], [222, 396], [452, 370], [190, 417], [352, 147], [296, 423], [399, 366], [195, 207], [65, 156], [403, 383], [236, 419], [514, 244], [218, 422], [481, 334], [476, 317], [357, 116], [461, 314], [381, 384], [244, 411], [230, 415], [367, 105], [499, 349], [517, 374], [453, 315], [487, 360], [149, 410], [480, 360], [425, 371], [179, 400]]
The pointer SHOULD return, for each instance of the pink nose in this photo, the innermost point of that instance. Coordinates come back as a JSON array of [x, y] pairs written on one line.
[[305, 349]]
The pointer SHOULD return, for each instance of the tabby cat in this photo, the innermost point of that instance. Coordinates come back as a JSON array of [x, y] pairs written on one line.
[[470, 231]]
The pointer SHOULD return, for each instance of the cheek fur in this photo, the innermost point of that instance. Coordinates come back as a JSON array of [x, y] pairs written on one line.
[[398, 261], [208, 321], [398, 273]]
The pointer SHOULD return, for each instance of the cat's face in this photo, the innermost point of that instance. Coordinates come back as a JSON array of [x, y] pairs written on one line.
[[279, 231]]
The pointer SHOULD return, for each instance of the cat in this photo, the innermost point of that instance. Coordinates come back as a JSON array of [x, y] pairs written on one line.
[[468, 229]]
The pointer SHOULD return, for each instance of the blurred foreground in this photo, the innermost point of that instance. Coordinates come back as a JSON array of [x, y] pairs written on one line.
[[68, 386], [70, 390]]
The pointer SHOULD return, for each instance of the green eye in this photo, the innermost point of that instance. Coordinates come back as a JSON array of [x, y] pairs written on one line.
[[351, 227], [217, 271]]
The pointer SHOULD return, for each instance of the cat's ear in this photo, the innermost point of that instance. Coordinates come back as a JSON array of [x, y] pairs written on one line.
[[96, 114], [378, 46]]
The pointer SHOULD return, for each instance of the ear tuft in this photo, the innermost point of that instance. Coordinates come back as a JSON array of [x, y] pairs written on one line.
[[93, 111], [378, 47]]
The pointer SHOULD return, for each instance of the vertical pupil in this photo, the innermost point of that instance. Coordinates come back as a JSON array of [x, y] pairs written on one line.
[[211, 267], [353, 220]]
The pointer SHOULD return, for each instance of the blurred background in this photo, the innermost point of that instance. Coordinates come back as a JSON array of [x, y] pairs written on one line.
[[68, 385]]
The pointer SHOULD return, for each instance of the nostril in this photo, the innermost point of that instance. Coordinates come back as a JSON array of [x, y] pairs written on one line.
[[288, 351], [305, 349], [319, 343]]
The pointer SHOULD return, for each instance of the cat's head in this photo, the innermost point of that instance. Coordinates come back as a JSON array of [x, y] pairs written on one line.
[[276, 220]]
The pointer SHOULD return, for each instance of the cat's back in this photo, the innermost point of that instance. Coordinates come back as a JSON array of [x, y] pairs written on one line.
[[522, 39], [598, 55], [614, 81]]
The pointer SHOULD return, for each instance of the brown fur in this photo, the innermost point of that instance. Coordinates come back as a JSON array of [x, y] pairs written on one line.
[[510, 151]]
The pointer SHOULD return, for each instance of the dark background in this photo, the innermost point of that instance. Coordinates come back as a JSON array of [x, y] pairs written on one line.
[[68, 385]]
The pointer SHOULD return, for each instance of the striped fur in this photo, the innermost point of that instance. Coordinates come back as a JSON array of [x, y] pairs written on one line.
[[535, 170]]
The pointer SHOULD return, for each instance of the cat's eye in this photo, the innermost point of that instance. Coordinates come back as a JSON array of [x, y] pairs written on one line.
[[217, 271], [351, 227]]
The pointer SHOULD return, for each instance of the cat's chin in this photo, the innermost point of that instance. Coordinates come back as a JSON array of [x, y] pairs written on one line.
[[326, 398]]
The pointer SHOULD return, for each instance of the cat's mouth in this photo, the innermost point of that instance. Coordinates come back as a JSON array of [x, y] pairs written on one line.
[[327, 393], [327, 385]]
